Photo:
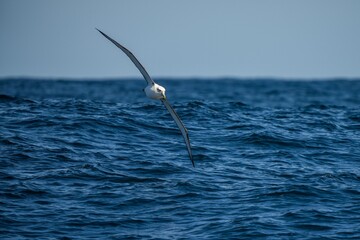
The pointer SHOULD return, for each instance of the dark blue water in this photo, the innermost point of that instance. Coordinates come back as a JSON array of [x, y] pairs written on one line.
[[97, 159]]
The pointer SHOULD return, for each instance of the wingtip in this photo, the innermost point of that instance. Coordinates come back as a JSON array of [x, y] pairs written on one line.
[[193, 163], [100, 31]]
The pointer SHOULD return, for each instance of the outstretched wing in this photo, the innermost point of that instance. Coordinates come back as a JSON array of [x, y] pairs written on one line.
[[181, 126], [132, 58]]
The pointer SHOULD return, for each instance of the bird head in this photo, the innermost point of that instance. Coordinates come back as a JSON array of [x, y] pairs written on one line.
[[161, 90]]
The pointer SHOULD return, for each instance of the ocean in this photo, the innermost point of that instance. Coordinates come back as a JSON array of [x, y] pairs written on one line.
[[275, 159]]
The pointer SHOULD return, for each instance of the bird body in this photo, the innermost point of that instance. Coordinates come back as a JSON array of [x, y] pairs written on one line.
[[155, 91]]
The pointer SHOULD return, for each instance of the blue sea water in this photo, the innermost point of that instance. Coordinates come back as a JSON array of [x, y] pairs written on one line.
[[98, 160]]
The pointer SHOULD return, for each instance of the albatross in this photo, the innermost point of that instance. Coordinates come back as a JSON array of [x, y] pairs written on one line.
[[155, 91]]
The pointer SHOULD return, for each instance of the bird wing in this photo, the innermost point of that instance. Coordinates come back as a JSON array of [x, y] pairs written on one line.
[[132, 58], [181, 126]]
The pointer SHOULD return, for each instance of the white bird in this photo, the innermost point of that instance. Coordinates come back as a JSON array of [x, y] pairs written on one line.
[[155, 91]]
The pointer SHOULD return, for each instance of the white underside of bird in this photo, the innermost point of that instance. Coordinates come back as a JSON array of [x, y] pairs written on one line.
[[155, 91]]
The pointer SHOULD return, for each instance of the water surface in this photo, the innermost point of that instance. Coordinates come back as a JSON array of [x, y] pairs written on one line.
[[97, 159]]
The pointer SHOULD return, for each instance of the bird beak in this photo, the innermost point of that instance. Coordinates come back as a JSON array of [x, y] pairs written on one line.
[[164, 96]]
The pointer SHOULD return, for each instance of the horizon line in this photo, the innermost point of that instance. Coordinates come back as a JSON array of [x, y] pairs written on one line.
[[122, 78]]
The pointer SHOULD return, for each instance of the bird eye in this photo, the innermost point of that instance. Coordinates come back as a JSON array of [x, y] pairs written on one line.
[[158, 89]]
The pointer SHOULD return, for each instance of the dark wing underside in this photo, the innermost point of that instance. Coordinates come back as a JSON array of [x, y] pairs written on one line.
[[132, 58], [181, 126]]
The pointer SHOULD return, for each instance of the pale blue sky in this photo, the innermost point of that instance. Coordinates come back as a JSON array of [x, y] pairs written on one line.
[[287, 39]]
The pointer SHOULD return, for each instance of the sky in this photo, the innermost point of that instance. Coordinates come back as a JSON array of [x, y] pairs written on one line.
[[189, 38]]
